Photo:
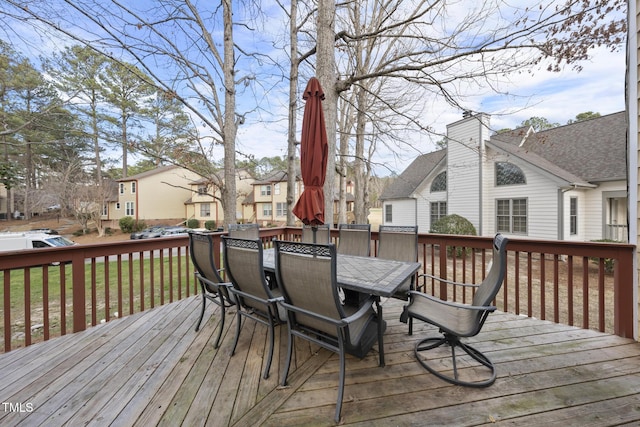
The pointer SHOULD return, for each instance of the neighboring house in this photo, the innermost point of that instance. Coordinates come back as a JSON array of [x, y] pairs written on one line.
[[565, 183], [267, 203], [205, 202], [158, 195]]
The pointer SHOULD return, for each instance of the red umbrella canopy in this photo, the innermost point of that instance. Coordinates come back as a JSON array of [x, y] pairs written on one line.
[[313, 157]]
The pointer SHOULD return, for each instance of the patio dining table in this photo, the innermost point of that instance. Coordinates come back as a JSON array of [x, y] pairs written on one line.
[[367, 275]]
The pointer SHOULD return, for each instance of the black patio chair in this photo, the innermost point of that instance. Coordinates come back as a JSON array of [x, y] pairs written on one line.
[[243, 265], [456, 320], [399, 243], [212, 286], [322, 234], [354, 239], [244, 231], [307, 276]]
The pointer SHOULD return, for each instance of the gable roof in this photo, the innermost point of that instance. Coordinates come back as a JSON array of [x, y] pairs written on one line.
[[407, 182], [151, 172], [594, 149], [275, 176], [539, 162], [582, 153]]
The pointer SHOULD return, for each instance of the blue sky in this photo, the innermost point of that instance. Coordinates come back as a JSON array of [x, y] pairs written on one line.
[[599, 87], [558, 97]]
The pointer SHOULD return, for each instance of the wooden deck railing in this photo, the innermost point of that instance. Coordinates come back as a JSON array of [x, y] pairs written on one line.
[[51, 292]]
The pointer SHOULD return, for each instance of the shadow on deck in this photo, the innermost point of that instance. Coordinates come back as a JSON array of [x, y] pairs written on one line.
[[153, 369]]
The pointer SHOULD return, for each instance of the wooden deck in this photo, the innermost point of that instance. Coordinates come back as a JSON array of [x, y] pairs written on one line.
[[153, 369]]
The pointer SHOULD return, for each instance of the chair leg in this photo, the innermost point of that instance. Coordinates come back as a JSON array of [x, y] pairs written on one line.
[[271, 344], [289, 355], [453, 341], [238, 327], [340, 383], [221, 326], [204, 303]]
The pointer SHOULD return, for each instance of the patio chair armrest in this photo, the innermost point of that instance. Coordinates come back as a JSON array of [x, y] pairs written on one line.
[[275, 300], [417, 294], [451, 282], [364, 308], [212, 283], [295, 309], [238, 292]]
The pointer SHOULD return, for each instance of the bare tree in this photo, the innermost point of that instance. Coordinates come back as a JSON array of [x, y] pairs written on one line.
[[423, 50], [186, 48]]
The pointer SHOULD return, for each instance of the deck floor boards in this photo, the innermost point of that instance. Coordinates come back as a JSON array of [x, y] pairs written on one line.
[[152, 368]]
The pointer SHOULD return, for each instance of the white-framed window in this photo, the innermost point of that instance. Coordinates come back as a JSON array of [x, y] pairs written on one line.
[[573, 215], [276, 188], [281, 209], [437, 211], [388, 213], [105, 210], [129, 208], [205, 209], [265, 190], [121, 188], [202, 189], [133, 187], [511, 216], [117, 206], [267, 209]]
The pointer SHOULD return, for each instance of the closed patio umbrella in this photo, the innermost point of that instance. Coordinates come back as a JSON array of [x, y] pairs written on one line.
[[313, 157]]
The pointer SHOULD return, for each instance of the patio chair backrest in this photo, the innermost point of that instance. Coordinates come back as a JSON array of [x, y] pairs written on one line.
[[398, 243], [354, 239], [243, 265], [201, 250], [491, 284], [244, 231], [322, 234], [307, 275]]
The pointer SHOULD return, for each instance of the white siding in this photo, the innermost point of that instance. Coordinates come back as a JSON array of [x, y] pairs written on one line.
[[541, 194], [594, 209], [403, 212], [424, 197], [465, 139]]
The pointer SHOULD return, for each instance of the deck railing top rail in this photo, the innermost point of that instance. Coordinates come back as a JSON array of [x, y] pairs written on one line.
[[584, 283]]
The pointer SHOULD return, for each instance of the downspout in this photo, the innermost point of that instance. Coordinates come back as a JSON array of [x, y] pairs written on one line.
[[481, 176], [137, 207], [560, 218]]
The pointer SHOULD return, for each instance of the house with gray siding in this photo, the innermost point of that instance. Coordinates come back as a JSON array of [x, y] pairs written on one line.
[[566, 183]]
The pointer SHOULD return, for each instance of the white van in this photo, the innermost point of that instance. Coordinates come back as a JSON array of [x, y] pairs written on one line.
[[17, 241]]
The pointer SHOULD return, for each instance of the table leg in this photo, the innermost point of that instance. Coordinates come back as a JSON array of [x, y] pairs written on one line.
[[380, 330]]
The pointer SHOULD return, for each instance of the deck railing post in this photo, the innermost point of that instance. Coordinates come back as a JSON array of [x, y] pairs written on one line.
[[623, 295], [79, 292], [442, 250]]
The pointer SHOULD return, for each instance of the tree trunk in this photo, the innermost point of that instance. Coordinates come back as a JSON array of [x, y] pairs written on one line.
[[326, 72], [125, 148], [95, 136], [230, 127], [358, 165], [293, 105]]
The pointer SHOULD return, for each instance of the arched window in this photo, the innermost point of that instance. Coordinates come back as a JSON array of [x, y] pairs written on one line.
[[439, 182], [509, 174]]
